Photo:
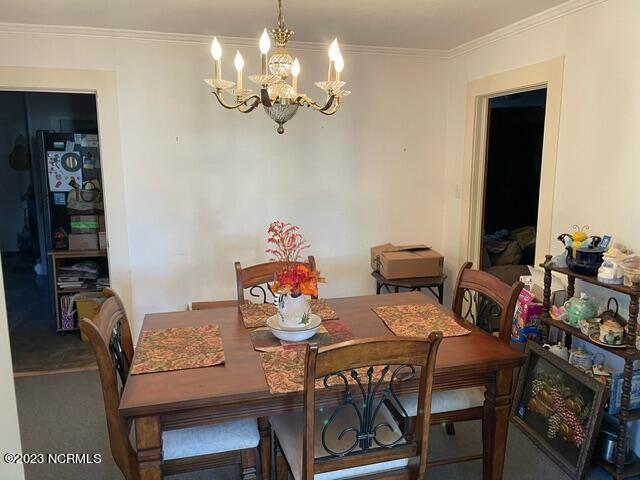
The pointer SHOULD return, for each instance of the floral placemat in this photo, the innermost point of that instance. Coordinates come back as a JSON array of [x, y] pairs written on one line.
[[419, 320], [256, 314], [328, 333], [284, 371], [178, 349]]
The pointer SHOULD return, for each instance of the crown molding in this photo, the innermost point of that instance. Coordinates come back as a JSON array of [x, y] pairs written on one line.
[[542, 18], [66, 30], [528, 23]]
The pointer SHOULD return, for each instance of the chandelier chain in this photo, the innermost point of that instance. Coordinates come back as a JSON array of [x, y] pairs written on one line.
[[280, 15]]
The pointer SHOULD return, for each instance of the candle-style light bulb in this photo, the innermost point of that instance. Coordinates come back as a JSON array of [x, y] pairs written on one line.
[[295, 71], [216, 49], [339, 66], [265, 42], [265, 45], [216, 53], [238, 62], [334, 51]]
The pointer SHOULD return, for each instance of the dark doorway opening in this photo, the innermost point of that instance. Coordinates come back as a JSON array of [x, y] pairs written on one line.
[[512, 183], [29, 217]]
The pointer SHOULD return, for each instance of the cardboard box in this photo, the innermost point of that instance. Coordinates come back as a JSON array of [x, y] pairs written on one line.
[[406, 261], [87, 223], [83, 241], [87, 306]]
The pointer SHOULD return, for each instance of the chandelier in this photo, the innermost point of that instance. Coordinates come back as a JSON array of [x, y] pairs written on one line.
[[279, 98]]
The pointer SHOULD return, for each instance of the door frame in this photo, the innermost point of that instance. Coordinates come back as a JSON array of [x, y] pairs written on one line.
[[547, 75], [103, 84]]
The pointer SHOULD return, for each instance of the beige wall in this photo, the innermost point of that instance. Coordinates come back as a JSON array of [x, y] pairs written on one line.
[[203, 183]]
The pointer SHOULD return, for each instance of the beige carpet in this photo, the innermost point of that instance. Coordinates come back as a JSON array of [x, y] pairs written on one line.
[[63, 413]]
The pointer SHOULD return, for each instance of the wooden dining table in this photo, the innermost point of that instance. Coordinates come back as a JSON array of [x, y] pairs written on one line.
[[238, 388]]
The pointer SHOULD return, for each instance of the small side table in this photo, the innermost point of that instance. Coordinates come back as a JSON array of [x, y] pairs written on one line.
[[413, 284]]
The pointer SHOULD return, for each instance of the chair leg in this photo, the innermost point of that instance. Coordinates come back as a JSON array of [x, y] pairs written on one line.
[[450, 428], [282, 467], [248, 459]]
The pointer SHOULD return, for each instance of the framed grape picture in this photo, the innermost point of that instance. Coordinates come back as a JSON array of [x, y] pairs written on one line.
[[559, 408]]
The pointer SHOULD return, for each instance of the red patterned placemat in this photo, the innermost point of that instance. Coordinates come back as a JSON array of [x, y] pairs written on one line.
[[284, 371], [419, 320], [256, 314], [329, 332], [178, 349]]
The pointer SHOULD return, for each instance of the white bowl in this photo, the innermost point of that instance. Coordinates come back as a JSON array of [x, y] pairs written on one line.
[[289, 334]]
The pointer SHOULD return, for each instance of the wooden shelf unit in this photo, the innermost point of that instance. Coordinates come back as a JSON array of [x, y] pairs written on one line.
[[62, 255], [629, 353]]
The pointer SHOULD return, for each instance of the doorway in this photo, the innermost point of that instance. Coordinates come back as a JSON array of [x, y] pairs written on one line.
[[38, 128], [546, 75], [515, 137]]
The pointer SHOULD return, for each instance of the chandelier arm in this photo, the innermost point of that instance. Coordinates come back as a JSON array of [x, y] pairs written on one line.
[[335, 108], [264, 98], [249, 107], [304, 99], [239, 104]]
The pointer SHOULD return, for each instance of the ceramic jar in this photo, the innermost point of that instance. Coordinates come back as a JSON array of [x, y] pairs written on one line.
[[579, 357], [293, 311], [558, 350], [611, 333]]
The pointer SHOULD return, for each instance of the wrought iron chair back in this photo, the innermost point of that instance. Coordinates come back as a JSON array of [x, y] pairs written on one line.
[[480, 297], [365, 374], [256, 278], [110, 338]]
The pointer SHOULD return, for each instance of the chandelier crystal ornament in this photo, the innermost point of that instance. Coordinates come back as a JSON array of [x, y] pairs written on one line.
[[279, 98]]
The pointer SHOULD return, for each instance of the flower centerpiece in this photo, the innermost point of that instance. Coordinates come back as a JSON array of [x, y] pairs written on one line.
[[295, 281]]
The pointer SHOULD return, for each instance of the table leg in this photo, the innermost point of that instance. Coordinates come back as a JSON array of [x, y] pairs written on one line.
[[397, 289], [378, 288], [440, 293], [265, 447], [495, 424], [149, 448]]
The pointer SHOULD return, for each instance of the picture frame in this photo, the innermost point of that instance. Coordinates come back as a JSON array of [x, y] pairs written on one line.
[[559, 408]]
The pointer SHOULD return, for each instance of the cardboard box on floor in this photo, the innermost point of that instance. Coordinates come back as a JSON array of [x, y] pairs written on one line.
[[406, 261]]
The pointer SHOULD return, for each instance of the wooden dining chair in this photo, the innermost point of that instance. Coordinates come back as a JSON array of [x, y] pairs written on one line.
[[359, 437], [187, 449], [256, 276], [475, 292], [213, 304]]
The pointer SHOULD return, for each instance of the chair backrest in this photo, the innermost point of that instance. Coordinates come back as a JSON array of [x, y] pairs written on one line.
[[110, 337], [255, 276], [215, 304], [366, 373], [486, 295]]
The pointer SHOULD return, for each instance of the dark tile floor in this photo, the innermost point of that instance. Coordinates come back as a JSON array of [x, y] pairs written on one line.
[[35, 344]]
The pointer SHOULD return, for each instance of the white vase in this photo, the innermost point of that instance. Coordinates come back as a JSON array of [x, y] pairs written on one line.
[[293, 311]]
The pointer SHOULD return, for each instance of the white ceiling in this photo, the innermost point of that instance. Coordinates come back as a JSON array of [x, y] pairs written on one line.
[[429, 24]]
